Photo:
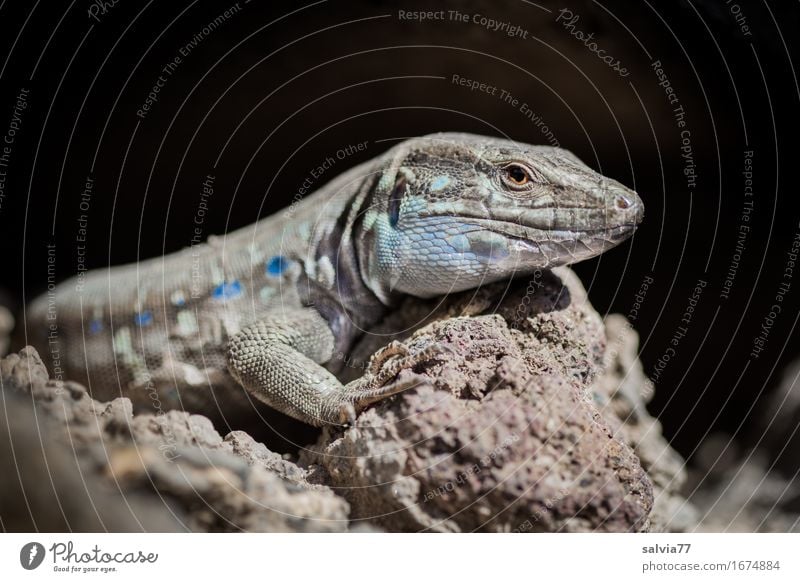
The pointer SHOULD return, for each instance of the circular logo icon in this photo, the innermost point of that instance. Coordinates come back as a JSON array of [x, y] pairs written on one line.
[[31, 555]]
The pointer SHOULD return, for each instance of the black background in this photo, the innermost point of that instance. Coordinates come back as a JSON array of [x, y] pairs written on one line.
[[278, 87]]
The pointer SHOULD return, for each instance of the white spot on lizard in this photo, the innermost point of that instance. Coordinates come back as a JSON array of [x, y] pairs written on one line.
[[325, 273], [187, 323]]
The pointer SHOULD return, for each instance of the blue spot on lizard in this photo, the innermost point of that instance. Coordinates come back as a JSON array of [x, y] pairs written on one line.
[[143, 318], [95, 326], [225, 291], [276, 266]]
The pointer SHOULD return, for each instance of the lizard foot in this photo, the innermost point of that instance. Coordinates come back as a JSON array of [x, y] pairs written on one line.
[[360, 393], [386, 366], [390, 373]]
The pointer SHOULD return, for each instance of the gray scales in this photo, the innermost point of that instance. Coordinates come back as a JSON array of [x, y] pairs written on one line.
[[269, 307]]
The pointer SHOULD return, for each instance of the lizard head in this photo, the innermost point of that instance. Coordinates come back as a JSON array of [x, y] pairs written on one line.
[[452, 211]]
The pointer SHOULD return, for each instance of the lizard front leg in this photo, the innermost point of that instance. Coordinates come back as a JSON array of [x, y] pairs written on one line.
[[278, 360]]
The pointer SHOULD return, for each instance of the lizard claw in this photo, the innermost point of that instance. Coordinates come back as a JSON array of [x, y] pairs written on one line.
[[409, 361], [363, 393], [393, 349]]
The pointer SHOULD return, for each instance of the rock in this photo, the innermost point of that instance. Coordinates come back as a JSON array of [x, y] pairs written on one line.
[[780, 418], [742, 492], [175, 467], [506, 436], [622, 392], [749, 482], [49, 486], [254, 453], [23, 371]]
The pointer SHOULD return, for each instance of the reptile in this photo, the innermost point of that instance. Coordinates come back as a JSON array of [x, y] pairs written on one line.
[[269, 309]]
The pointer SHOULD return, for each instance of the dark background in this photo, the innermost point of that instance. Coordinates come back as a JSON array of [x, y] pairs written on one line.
[[277, 88]]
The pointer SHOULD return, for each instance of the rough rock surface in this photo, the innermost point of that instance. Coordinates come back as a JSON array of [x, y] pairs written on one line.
[[528, 423], [507, 436], [167, 472], [622, 392]]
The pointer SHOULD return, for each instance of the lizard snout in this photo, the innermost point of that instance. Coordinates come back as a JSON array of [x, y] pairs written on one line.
[[625, 205]]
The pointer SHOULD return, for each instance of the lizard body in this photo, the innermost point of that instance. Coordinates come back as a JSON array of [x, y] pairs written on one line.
[[265, 307]]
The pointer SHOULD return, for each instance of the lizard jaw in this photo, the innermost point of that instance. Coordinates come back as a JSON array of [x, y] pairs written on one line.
[[506, 247]]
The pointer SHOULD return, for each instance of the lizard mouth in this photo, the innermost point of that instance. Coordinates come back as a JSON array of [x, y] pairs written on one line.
[[517, 231], [614, 234], [511, 246]]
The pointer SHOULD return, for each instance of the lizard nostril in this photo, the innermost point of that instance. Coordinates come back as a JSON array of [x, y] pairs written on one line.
[[623, 202]]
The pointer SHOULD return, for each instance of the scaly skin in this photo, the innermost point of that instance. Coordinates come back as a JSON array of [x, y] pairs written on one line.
[[266, 306]]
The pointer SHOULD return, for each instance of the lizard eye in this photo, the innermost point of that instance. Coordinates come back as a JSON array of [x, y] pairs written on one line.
[[516, 176]]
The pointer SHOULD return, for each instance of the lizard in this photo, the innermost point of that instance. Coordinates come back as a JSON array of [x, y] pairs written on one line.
[[268, 307]]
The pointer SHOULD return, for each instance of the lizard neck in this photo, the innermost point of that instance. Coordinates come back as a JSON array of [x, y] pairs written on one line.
[[336, 286], [366, 206]]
